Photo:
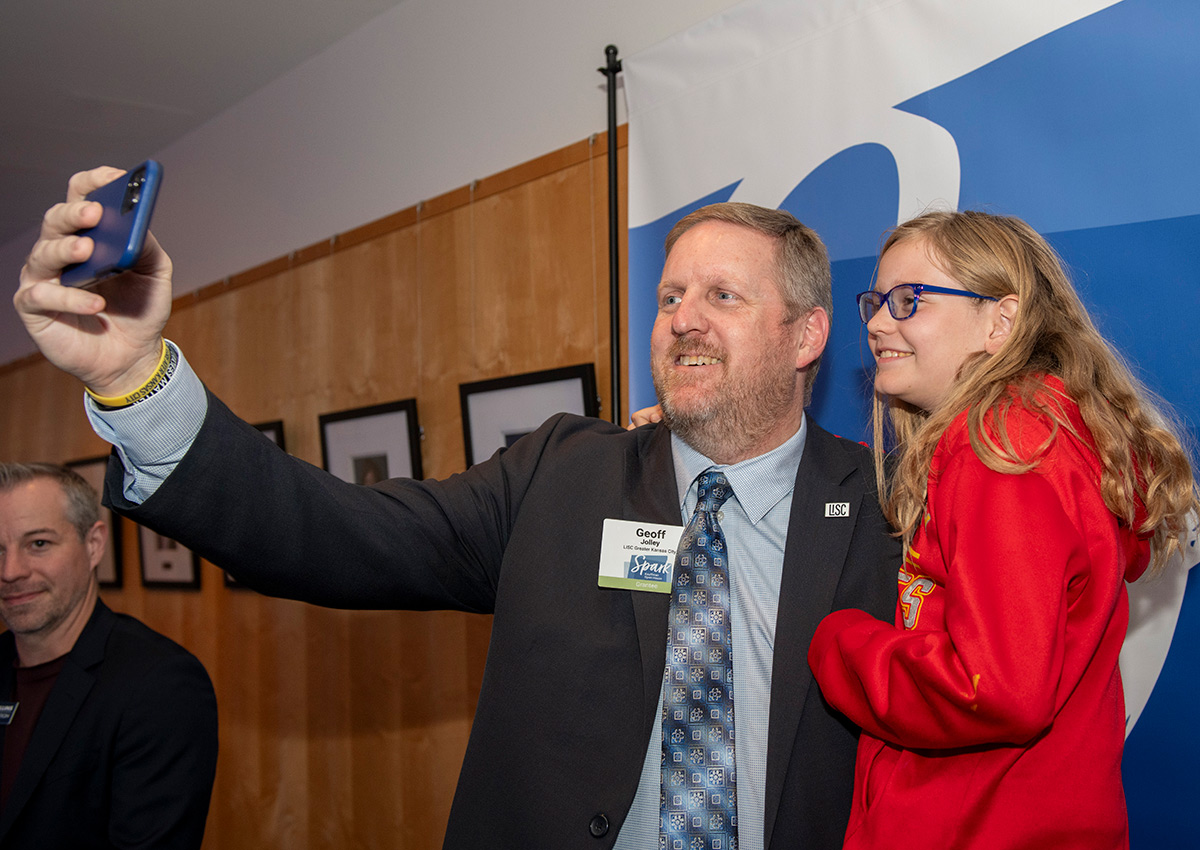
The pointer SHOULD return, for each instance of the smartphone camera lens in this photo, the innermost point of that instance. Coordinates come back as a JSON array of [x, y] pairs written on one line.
[[133, 190]]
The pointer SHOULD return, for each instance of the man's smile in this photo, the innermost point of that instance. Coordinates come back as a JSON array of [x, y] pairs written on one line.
[[696, 360]]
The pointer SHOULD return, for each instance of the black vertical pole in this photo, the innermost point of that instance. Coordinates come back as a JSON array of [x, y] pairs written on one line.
[[610, 70]]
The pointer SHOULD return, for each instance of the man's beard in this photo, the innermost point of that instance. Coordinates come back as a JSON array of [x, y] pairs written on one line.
[[738, 411], [46, 613]]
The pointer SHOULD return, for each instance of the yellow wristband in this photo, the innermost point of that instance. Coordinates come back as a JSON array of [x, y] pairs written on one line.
[[162, 372]]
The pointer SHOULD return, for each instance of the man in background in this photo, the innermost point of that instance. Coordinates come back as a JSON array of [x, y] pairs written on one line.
[[110, 729]]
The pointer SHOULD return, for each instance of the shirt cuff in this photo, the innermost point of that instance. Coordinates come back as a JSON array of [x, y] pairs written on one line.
[[152, 436]]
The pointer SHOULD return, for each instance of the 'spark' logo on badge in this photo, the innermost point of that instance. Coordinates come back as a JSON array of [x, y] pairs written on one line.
[[649, 567]]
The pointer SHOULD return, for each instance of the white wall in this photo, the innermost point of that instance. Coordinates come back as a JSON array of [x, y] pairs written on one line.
[[424, 99]]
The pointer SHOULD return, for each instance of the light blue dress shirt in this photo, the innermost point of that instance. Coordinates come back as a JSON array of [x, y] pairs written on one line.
[[153, 435], [755, 523]]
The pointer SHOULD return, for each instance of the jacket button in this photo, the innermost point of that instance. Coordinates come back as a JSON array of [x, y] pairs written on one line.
[[599, 826]]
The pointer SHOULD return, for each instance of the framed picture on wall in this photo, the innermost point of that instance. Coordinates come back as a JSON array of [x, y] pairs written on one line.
[[273, 430], [368, 444], [499, 412], [109, 571], [166, 562]]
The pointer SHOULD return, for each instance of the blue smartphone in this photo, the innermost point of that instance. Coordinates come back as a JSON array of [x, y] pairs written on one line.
[[128, 204]]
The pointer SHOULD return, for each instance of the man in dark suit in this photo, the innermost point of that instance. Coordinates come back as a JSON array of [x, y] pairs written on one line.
[[110, 729], [567, 740]]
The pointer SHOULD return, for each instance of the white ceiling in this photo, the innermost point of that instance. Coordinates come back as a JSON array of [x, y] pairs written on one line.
[[84, 82]]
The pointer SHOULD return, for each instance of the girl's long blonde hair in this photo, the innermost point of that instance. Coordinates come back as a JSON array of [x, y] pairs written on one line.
[[1143, 460]]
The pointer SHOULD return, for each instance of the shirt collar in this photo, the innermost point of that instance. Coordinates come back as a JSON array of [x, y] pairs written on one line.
[[758, 483]]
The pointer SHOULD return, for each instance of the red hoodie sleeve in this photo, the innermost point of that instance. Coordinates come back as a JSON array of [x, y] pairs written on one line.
[[985, 662]]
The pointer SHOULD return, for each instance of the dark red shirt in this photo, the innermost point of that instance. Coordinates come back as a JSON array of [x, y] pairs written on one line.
[[31, 689]]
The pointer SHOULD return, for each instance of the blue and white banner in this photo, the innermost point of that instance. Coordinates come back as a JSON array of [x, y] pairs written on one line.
[[1080, 116]]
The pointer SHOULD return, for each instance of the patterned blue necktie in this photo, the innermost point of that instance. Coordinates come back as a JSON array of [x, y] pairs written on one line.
[[699, 800]]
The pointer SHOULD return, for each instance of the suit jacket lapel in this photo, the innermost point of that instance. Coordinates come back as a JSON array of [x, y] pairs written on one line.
[[812, 566], [66, 698], [651, 497]]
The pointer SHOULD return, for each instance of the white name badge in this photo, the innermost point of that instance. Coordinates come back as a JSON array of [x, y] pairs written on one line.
[[638, 555]]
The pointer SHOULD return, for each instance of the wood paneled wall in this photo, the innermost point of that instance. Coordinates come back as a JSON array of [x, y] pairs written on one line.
[[347, 729]]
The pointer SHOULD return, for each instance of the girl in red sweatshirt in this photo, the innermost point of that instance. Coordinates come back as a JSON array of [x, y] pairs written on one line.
[[1031, 476]]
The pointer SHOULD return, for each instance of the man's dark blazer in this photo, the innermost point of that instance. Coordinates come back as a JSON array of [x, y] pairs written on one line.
[[570, 692], [125, 750]]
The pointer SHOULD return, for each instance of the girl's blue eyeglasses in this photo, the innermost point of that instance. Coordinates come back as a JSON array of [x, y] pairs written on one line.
[[902, 300]]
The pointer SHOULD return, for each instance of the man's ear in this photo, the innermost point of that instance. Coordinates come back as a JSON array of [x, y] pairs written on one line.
[[812, 337], [95, 540], [1004, 312]]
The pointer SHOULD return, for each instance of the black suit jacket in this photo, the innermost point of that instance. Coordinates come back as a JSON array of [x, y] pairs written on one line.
[[570, 691], [125, 751]]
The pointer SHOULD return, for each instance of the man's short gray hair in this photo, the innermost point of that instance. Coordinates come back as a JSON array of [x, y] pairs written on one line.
[[83, 504]]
